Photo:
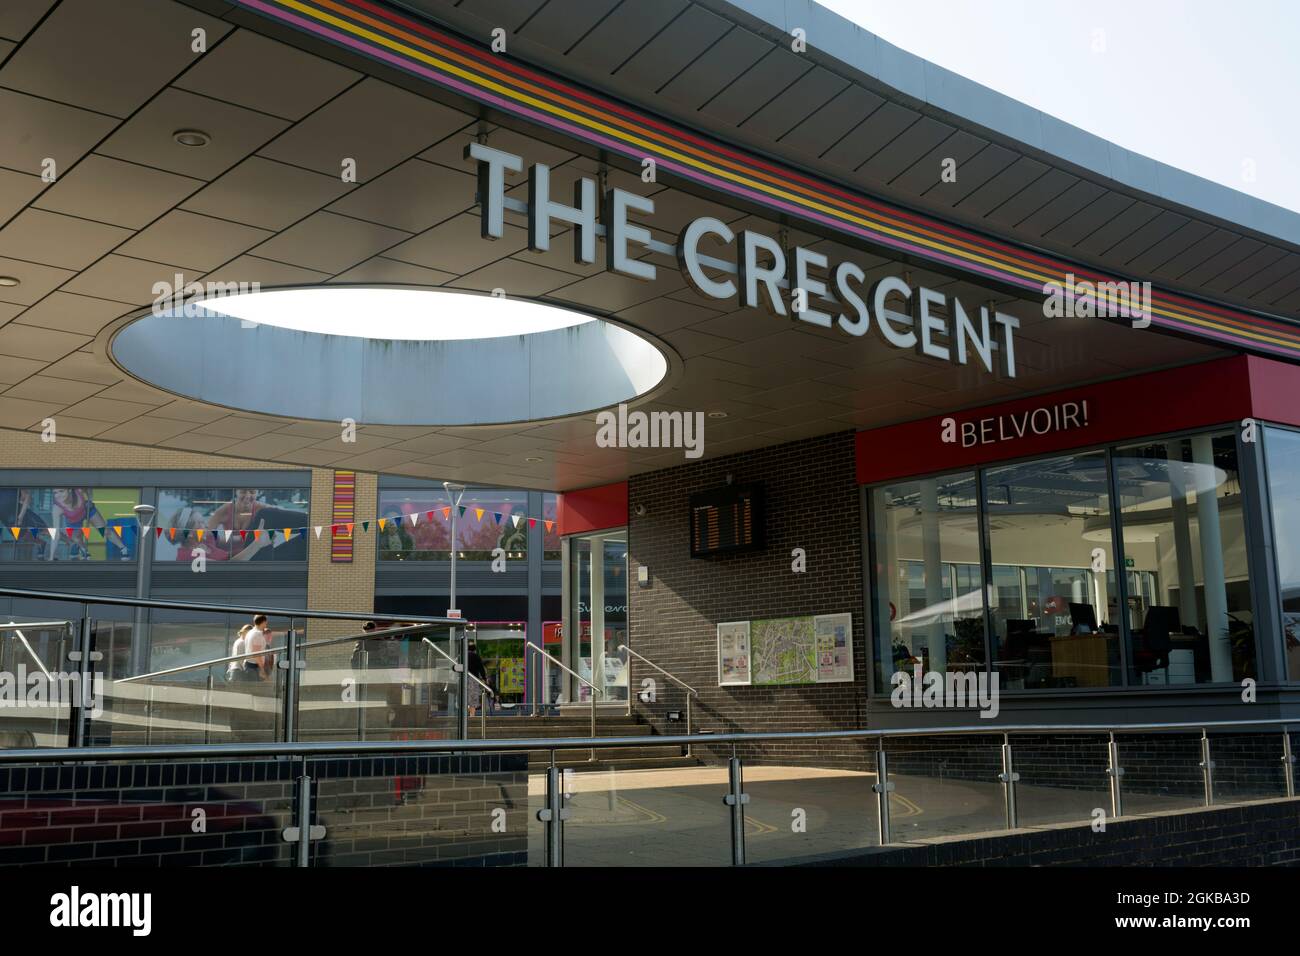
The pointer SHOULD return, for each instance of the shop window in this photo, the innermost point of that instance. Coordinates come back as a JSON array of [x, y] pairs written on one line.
[[1282, 449], [68, 524], [489, 522], [1183, 528], [1054, 603], [196, 519], [929, 588]]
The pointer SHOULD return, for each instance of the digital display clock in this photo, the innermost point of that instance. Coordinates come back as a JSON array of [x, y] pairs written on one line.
[[727, 520]]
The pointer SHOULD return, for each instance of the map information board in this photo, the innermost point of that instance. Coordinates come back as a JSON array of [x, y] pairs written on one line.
[[784, 651]]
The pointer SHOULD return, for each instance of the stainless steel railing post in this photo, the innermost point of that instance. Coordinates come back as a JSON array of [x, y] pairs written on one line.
[[882, 788], [304, 817], [688, 720], [291, 684], [1207, 768], [736, 799], [1114, 771], [462, 682], [207, 710], [553, 815], [1288, 761], [1008, 776]]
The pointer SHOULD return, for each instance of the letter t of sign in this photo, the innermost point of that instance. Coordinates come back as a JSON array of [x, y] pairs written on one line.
[[492, 164]]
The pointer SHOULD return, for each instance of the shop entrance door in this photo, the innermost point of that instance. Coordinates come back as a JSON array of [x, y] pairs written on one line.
[[595, 610]]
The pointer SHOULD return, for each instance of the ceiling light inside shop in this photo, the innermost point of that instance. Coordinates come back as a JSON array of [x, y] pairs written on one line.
[[417, 315]]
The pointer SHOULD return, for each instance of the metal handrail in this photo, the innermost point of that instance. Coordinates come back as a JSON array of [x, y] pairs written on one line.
[[459, 667], [690, 691], [562, 666], [332, 747], [387, 632], [271, 612], [671, 677], [457, 664], [547, 660]]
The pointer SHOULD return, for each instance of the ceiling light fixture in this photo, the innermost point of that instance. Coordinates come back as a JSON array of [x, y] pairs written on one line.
[[532, 460], [9, 281], [193, 138], [717, 414]]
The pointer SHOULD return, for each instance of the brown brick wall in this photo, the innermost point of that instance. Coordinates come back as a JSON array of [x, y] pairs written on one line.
[[811, 503]]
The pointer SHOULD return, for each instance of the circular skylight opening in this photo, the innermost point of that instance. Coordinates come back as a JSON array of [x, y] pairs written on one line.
[[408, 315], [390, 356]]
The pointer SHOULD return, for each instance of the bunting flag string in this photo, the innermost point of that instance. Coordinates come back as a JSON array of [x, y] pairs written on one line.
[[183, 535]]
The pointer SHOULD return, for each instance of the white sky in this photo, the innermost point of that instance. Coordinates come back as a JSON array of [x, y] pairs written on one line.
[[1203, 85]]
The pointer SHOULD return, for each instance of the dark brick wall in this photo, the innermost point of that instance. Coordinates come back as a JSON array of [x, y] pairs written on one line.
[[812, 503], [1257, 834], [434, 810]]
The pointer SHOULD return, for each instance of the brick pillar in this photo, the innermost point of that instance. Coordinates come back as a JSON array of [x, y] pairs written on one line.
[[342, 586]]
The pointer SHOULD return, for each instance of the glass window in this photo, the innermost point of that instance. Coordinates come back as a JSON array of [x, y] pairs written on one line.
[[1282, 450], [197, 519], [929, 589], [551, 534], [68, 524], [1054, 604], [1181, 512], [489, 522]]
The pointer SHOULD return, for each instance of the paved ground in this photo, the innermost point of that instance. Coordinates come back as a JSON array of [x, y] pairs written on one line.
[[677, 817]]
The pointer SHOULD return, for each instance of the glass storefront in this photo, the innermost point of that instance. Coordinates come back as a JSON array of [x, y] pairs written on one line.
[[255, 517], [68, 524], [1109, 567], [1282, 452], [929, 585], [492, 518]]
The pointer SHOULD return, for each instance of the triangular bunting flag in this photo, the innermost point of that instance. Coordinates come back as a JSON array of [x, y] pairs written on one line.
[[516, 519], [257, 534], [67, 533], [446, 513], [225, 534], [428, 516], [365, 525], [85, 531], [243, 535], [288, 533], [103, 532], [532, 522], [478, 514], [382, 522], [497, 516], [549, 524], [349, 527], [415, 518], [54, 533], [117, 529], [171, 534], [17, 532], [157, 532], [199, 533], [317, 529]]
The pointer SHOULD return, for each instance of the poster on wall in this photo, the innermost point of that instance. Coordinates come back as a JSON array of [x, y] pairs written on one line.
[[733, 654], [834, 636]]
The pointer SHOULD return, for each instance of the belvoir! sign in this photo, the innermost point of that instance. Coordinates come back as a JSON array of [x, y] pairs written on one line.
[[929, 322]]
